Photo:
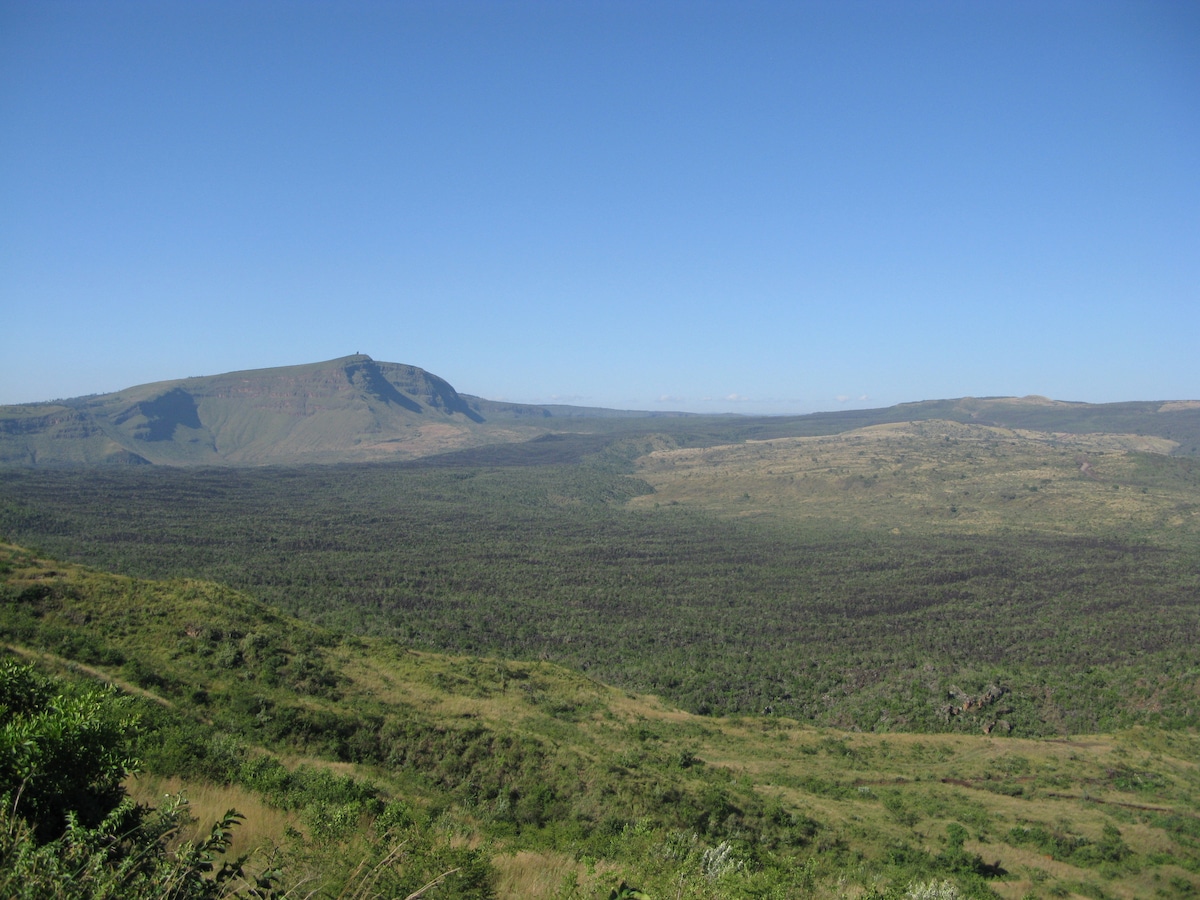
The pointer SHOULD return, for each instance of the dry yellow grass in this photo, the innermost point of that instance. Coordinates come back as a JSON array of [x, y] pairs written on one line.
[[262, 828], [927, 475], [526, 875]]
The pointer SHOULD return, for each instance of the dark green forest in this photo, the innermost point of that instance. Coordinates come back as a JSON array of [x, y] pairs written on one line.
[[368, 769], [1029, 633]]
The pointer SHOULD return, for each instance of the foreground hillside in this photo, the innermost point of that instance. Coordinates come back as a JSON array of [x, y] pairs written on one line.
[[519, 779]]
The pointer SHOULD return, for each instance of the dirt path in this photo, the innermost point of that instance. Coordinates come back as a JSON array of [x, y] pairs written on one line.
[[91, 671]]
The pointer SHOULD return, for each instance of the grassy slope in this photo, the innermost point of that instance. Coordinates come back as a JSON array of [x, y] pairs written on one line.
[[638, 789], [345, 409]]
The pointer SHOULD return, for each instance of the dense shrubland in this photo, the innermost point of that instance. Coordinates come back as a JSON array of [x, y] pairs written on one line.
[[405, 770], [390, 768], [835, 625]]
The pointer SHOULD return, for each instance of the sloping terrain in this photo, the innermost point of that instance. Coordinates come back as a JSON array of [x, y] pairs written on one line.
[[545, 783], [729, 588], [346, 409], [999, 623], [941, 476]]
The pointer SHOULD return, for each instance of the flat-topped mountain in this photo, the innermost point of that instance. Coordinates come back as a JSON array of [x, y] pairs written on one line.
[[352, 408], [355, 409]]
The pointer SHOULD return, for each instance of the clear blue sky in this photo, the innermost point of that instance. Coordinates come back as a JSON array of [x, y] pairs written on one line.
[[743, 206]]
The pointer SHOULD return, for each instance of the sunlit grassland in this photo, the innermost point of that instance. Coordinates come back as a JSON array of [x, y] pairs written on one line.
[[940, 476], [908, 789], [263, 827], [885, 581], [548, 874]]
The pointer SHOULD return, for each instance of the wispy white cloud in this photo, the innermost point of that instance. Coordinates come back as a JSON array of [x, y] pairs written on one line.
[[729, 398]]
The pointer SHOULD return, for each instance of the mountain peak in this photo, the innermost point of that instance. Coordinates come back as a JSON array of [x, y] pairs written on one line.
[[350, 408]]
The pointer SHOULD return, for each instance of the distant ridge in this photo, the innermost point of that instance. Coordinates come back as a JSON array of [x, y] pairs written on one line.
[[356, 409], [349, 409]]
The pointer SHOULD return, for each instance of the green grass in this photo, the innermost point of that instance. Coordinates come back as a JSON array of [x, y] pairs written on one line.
[[561, 779], [943, 477]]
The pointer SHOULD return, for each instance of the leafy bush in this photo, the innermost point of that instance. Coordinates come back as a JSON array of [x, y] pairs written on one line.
[[1111, 848], [128, 854], [60, 752], [67, 829]]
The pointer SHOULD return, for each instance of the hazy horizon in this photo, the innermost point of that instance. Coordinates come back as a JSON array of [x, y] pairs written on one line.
[[861, 404], [754, 207]]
